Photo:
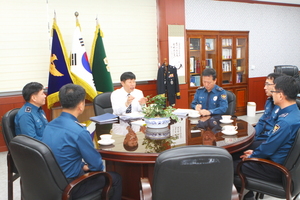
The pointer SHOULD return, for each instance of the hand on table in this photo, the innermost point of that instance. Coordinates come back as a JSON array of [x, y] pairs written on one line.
[[204, 112]]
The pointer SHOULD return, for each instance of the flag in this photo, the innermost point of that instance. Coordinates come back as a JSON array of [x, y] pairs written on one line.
[[59, 74], [100, 69], [80, 67]]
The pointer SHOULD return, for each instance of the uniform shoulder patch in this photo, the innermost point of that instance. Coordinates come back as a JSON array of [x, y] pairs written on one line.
[[219, 89], [28, 109], [200, 88], [276, 128], [224, 96]]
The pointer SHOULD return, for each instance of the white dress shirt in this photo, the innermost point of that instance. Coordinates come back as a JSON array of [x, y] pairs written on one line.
[[119, 97]]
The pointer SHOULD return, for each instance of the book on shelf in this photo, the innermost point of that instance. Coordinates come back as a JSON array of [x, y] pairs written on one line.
[[197, 80], [106, 118]]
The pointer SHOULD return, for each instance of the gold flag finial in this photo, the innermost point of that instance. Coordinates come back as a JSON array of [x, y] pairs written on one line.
[[76, 14]]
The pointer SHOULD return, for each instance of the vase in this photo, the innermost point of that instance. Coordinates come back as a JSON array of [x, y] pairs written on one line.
[[157, 133], [157, 122]]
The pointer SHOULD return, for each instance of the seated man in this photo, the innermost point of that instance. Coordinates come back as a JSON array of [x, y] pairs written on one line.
[[210, 99], [267, 120], [31, 119], [71, 143], [127, 99], [281, 138]]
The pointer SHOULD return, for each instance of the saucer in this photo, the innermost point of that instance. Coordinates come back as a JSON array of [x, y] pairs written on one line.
[[194, 116], [229, 133], [106, 142], [226, 122]]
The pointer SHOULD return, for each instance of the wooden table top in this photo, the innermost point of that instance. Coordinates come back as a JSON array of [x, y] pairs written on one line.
[[138, 144]]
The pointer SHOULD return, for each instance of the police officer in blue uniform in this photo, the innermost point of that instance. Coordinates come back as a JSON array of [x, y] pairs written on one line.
[[210, 99], [72, 145], [267, 120], [280, 138], [31, 119]]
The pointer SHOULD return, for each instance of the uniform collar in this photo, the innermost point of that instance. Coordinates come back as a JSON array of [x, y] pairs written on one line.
[[288, 109], [213, 90], [33, 107], [69, 116]]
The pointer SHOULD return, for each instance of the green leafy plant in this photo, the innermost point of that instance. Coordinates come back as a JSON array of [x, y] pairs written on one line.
[[157, 146], [156, 107]]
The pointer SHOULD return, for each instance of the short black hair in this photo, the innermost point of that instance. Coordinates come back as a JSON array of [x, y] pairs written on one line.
[[130, 148], [288, 86], [127, 75], [273, 76], [31, 88], [210, 72], [70, 95]]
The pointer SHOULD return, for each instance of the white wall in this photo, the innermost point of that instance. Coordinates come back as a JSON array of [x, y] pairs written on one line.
[[130, 36], [274, 30]]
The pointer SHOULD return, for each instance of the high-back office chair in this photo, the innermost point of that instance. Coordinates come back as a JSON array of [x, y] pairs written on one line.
[[290, 186], [231, 98], [192, 172], [8, 130], [102, 103], [42, 177], [290, 70]]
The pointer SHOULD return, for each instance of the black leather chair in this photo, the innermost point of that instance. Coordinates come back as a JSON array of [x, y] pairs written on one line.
[[102, 103], [191, 172], [42, 177], [298, 103], [290, 186], [8, 130], [290, 70], [231, 98]]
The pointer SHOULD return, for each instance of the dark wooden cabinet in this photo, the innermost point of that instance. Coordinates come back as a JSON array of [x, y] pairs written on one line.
[[227, 53]]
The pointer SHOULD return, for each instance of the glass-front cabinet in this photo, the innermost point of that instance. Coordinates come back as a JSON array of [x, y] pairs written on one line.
[[202, 54], [227, 53], [234, 60]]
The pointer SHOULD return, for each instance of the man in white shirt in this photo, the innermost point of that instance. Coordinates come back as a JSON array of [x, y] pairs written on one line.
[[127, 99]]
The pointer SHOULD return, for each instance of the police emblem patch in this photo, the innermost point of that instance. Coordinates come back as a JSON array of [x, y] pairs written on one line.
[[28, 109], [215, 98], [223, 96], [276, 128]]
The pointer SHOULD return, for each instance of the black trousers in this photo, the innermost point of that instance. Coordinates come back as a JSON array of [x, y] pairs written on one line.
[[257, 170], [97, 183]]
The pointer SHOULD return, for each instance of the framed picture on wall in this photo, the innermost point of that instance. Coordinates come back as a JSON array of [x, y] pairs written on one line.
[[192, 64]]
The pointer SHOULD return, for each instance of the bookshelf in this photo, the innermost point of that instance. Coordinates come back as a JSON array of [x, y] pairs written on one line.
[[227, 53]]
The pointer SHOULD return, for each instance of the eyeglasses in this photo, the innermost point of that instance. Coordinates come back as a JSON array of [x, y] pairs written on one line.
[[275, 91], [267, 84]]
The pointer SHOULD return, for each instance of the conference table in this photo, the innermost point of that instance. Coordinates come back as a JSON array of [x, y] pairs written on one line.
[[137, 159]]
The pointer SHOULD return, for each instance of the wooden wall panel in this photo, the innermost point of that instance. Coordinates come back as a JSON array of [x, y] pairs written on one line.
[[257, 93]]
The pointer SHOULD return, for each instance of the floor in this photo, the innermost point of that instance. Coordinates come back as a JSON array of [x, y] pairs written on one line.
[[17, 196]]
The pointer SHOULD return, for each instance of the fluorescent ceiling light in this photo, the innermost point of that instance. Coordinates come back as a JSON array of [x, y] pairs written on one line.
[[282, 1]]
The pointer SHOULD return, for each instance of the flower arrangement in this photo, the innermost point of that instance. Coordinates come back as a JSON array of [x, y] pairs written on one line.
[[156, 108]]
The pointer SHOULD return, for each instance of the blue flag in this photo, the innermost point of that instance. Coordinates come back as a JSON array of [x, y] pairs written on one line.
[[59, 74]]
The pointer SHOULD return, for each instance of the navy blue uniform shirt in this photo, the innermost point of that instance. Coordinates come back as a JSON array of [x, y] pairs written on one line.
[[71, 142], [215, 101], [30, 120], [282, 137]]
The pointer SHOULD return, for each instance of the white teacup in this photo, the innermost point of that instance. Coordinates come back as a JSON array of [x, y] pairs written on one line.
[[229, 128], [105, 137], [226, 117]]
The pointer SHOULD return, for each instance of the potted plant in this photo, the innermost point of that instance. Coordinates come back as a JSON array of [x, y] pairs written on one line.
[[156, 114]]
